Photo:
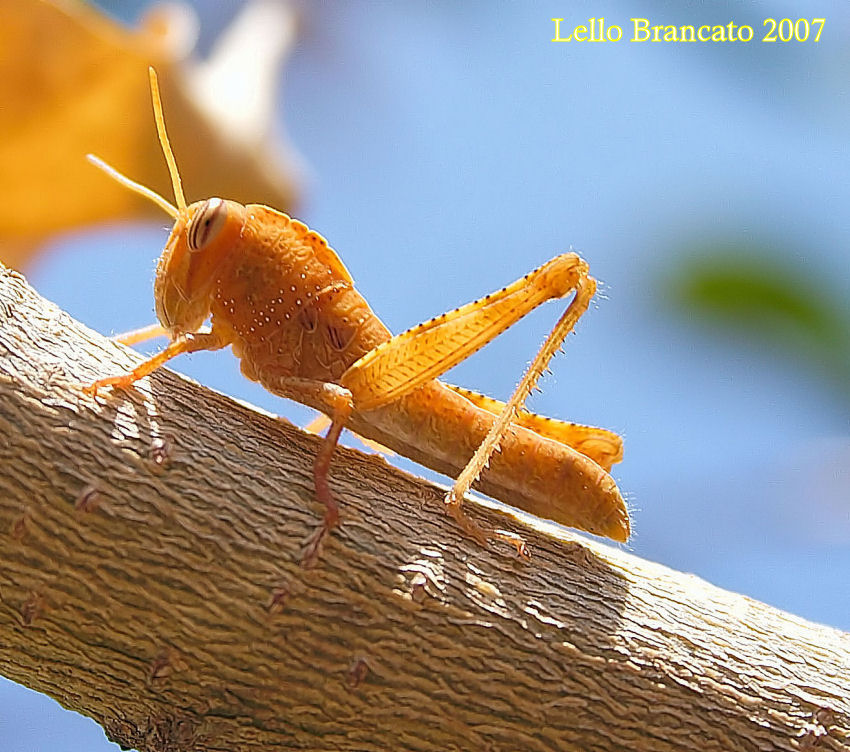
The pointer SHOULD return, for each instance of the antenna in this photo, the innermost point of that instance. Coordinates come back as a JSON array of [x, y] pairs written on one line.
[[134, 186], [142, 190], [163, 140]]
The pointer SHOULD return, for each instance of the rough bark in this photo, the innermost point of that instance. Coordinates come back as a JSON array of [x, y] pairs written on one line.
[[149, 578]]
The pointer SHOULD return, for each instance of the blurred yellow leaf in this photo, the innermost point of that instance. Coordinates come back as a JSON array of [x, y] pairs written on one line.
[[73, 81]]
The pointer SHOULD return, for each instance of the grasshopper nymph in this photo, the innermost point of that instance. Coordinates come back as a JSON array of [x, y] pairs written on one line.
[[285, 303]]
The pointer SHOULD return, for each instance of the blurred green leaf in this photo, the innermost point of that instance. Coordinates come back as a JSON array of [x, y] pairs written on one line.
[[747, 291]]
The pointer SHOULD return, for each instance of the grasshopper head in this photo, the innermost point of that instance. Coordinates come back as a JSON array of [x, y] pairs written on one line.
[[203, 234]]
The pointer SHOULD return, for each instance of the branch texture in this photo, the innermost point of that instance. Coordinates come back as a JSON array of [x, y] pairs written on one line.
[[149, 579]]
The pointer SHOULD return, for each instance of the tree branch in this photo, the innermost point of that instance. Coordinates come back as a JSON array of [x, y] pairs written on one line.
[[149, 578]]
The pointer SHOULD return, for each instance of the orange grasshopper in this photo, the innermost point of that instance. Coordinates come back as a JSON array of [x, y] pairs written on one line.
[[284, 301]]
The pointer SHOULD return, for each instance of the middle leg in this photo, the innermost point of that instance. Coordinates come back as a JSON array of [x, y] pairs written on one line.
[[335, 401]]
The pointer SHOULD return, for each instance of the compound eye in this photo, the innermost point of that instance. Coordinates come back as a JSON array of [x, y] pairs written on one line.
[[206, 224]]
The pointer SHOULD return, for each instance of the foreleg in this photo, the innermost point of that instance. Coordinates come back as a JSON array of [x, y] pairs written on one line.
[[185, 343], [141, 335]]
